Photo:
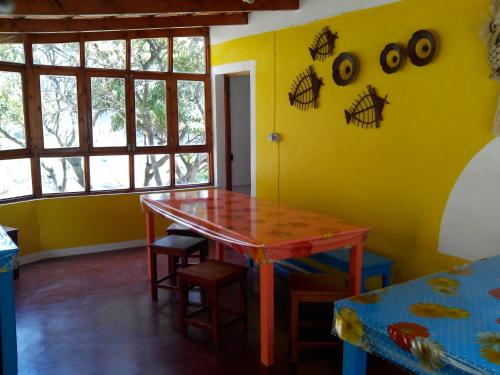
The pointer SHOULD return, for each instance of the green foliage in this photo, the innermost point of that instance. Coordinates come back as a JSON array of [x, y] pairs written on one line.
[[149, 54], [57, 54], [12, 52]]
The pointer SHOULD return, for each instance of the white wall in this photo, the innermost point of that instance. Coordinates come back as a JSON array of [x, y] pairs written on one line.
[[310, 10], [470, 227], [240, 130]]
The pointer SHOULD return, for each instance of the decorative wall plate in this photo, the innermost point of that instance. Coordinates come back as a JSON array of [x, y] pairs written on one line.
[[323, 45], [366, 111], [345, 69], [305, 90], [422, 47], [392, 58]]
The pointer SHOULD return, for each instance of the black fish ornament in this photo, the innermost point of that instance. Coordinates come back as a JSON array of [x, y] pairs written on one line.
[[323, 45], [305, 90], [367, 110]]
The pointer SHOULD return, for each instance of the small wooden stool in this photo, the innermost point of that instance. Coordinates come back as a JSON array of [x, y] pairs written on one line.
[[176, 247], [180, 230], [311, 288], [212, 276]]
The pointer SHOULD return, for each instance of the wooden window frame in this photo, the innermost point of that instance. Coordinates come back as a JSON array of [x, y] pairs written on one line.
[[35, 150]]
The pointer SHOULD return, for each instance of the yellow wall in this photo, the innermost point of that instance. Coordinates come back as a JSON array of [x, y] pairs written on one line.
[[396, 179], [62, 223]]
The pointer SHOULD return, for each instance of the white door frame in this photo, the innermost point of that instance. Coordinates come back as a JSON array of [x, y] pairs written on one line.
[[218, 121]]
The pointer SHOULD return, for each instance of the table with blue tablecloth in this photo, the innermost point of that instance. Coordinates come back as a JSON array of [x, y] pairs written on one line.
[[446, 323], [8, 342]]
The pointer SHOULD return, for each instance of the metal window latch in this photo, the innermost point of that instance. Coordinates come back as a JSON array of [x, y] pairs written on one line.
[[274, 137]]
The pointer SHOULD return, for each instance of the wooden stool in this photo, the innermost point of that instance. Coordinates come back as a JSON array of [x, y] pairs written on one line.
[[176, 247], [212, 276], [311, 288], [180, 230]]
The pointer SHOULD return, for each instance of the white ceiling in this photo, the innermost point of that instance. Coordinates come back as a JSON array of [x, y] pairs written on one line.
[[310, 10]]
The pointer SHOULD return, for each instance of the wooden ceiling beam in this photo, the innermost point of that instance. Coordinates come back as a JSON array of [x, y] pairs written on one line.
[[26, 25], [114, 7]]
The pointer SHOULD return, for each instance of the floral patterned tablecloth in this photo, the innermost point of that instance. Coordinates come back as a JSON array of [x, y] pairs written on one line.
[[8, 250], [447, 323]]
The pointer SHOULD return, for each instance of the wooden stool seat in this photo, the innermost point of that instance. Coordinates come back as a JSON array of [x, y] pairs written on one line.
[[212, 276], [312, 288], [176, 247], [181, 230]]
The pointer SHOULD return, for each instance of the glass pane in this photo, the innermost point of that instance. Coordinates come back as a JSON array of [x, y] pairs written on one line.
[[189, 55], [191, 110], [60, 54], [16, 178], [150, 54], [150, 112], [108, 112], [105, 54], [191, 169], [12, 129], [59, 111], [109, 172], [62, 175], [12, 52], [151, 170]]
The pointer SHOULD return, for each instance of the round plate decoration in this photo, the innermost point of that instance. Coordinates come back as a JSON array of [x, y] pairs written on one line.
[[392, 58], [422, 47], [345, 69]]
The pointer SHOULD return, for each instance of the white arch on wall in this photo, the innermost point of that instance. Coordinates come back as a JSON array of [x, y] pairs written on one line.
[[470, 227]]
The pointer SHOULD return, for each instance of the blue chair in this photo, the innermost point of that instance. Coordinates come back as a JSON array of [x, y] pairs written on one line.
[[373, 265]]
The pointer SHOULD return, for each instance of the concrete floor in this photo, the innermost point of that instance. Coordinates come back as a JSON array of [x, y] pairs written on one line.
[[92, 314]]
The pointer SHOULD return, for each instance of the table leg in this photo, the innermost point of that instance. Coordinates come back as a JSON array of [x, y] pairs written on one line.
[[355, 267], [8, 338], [219, 251], [150, 237], [354, 360], [267, 314]]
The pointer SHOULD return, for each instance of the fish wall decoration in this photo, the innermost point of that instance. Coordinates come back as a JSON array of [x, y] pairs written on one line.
[[492, 36], [305, 90], [366, 111], [323, 45]]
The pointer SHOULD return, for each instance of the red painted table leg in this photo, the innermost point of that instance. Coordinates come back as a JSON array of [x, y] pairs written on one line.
[[355, 267], [267, 314], [150, 237], [219, 251]]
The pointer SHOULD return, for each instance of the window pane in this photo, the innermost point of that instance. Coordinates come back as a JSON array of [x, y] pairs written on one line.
[[16, 178], [109, 172], [189, 55], [60, 54], [150, 112], [105, 54], [59, 111], [150, 54], [108, 112], [191, 110], [12, 129], [12, 52], [151, 170], [62, 175], [191, 169]]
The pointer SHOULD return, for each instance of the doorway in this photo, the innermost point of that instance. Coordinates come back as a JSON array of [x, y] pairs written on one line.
[[237, 132], [241, 89]]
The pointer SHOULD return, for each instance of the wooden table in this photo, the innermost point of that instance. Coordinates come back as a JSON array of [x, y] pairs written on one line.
[[265, 231], [8, 341]]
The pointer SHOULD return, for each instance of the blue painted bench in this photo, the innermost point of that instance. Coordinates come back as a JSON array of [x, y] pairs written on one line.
[[373, 265]]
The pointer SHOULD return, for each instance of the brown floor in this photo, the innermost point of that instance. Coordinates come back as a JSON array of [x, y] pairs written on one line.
[[92, 314]]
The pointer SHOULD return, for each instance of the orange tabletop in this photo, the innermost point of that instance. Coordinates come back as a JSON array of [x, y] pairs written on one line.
[[266, 231]]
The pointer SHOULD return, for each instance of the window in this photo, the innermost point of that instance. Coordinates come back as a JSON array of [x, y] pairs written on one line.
[[108, 112], [58, 96], [12, 126], [122, 112], [58, 54]]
